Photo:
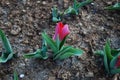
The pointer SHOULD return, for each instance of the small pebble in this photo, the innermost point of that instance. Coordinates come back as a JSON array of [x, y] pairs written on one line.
[[15, 30], [43, 2], [38, 1], [22, 75], [92, 3], [89, 74]]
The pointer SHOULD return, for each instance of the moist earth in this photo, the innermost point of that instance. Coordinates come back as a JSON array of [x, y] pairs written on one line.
[[23, 21]]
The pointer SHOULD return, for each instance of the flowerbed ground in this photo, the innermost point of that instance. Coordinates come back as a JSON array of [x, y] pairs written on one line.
[[23, 22]]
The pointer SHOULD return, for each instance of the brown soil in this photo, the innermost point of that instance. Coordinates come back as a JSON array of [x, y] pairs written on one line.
[[23, 22]]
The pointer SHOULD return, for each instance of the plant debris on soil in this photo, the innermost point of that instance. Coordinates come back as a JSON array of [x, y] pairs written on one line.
[[23, 21]]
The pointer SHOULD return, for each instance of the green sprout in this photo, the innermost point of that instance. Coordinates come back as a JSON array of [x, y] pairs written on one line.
[[56, 15], [15, 75], [111, 58], [72, 10], [40, 53], [8, 54], [76, 6], [114, 7]]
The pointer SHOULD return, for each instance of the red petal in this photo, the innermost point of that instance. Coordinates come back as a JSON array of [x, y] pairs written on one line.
[[58, 30], [118, 62], [65, 32]]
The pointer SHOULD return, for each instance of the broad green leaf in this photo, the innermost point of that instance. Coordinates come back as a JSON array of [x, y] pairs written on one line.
[[65, 55], [5, 57], [99, 52], [114, 71], [55, 15], [8, 54], [70, 10], [54, 12], [113, 62], [15, 75], [62, 43], [34, 55], [54, 19], [50, 42], [37, 54], [114, 7], [5, 42], [76, 52], [68, 51], [64, 50], [106, 63], [58, 42], [78, 5], [115, 52], [107, 50], [81, 4], [44, 50]]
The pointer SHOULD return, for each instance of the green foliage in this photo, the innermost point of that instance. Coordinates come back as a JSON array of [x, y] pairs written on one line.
[[72, 10], [110, 58], [8, 54], [114, 7], [40, 53], [50, 42], [59, 50], [76, 6], [15, 75], [55, 15]]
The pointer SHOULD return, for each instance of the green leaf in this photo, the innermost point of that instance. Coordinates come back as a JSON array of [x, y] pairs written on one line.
[[44, 50], [70, 10], [99, 52], [5, 42], [114, 71], [113, 7], [62, 43], [54, 19], [55, 15], [5, 57], [58, 42], [115, 52], [107, 50], [106, 63], [65, 55], [54, 12], [34, 55], [81, 4], [37, 54], [15, 75], [77, 52], [113, 62], [50, 42], [59, 53], [71, 52], [67, 51], [78, 5], [8, 54]]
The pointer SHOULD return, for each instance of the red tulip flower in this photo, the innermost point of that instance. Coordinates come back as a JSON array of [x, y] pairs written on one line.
[[61, 31], [118, 62]]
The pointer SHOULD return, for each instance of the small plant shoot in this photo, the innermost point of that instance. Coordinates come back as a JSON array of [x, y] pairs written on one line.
[[72, 10], [40, 53], [15, 76], [114, 7], [111, 58], [55, 15], [8, 53], [76, 7], [57, 43]]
